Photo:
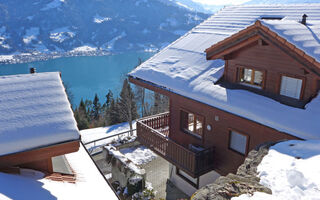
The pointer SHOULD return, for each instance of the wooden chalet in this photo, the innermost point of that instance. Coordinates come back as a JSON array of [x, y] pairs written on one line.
[[247, 76]]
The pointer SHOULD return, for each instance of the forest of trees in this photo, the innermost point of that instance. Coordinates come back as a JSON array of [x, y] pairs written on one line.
[[131, 104]]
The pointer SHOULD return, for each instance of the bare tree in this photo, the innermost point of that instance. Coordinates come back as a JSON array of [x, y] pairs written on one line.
[[127, 105], [139, 93]]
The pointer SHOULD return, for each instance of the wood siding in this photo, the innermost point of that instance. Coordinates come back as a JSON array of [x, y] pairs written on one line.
[[40, 158], [275, 63], [221, 122], [225, 159]]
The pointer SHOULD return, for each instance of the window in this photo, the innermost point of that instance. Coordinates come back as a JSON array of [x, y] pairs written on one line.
[[251, 77], [291, 87], [238, 142], [192, 123], [193, 181]]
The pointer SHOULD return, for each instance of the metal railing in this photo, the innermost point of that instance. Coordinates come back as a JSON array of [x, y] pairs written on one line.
[[97, 148]]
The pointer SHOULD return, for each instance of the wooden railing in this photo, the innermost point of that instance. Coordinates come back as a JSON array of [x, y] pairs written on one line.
[[149, 132]]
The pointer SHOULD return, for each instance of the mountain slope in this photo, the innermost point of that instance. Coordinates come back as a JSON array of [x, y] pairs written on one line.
[[63, 25]]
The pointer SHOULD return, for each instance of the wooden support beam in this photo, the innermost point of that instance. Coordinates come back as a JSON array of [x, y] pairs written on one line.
[[38, 155]]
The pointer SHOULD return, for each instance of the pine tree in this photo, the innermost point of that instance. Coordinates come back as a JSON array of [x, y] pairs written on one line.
[[96, 108], [111, 110], [81, 116]]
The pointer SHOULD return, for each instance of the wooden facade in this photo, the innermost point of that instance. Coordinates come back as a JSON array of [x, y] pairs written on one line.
[[225, 160], [256, 48], [40, 158]]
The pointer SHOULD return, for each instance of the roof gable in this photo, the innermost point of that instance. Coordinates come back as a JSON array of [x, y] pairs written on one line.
[[294, 37]]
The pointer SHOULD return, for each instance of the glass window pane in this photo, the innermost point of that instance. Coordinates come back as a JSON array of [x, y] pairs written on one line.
[[199, 126], [238, 142], [190, 122], [247, 73], [258, 77]]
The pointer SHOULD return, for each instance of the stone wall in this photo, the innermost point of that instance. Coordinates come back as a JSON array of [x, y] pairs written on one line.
[[245, 181]]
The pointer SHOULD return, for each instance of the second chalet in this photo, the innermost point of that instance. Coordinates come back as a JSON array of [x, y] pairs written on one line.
[[246, 76]]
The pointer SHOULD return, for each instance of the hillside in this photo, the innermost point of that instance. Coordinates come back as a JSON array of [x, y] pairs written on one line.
[[79, 25]]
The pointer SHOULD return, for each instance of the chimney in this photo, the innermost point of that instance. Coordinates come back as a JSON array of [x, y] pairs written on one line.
[[32, 70], [304, 19]]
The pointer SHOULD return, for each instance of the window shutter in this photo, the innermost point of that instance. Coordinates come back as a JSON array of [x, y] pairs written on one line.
[[238, 142], [291, 87]]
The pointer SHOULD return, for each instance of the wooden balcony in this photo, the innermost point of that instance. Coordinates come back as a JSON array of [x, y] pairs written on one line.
[[153, 132]]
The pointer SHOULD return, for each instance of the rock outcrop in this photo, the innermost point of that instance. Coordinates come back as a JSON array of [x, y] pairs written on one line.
[[245, 181]]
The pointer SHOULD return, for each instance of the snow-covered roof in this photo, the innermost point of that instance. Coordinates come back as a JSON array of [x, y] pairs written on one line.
[[305, 37], [182, 67], [30, 184], [34, 112]]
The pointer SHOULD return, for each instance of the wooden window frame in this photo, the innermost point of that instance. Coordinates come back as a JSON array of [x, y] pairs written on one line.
[[303, 85], [197, 116], [187, 180], [243, 134], [252, 85]]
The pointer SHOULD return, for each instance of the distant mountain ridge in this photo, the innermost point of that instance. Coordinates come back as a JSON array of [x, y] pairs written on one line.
[[281, 1], [81, 25], [205, 8]]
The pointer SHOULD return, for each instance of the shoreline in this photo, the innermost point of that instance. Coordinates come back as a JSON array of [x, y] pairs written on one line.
[[40, 56], [37, 56]]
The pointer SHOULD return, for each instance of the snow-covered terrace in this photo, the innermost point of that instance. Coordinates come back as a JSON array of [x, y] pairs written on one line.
[[182, 67], [90, 184]]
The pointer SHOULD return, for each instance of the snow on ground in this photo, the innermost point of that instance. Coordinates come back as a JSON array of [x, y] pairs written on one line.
[[110, 45], [31, 34], [99, 19], [89, 135], [125, 160], [61, 34], [53, 4], [139, 155], [90, 184], [291, 170]]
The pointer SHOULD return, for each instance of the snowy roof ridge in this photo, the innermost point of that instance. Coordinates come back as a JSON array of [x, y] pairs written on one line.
[[281, 28], [34, 112], [182, 68], [270, 26]]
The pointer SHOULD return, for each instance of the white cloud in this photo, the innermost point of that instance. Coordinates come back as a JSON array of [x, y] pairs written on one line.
[[221, 2]]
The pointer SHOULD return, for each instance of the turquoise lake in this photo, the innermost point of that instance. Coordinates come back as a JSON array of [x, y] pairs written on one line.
[[85, 75]]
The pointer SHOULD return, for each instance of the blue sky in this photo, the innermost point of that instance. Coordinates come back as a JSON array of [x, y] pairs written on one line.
[[221, 2]]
